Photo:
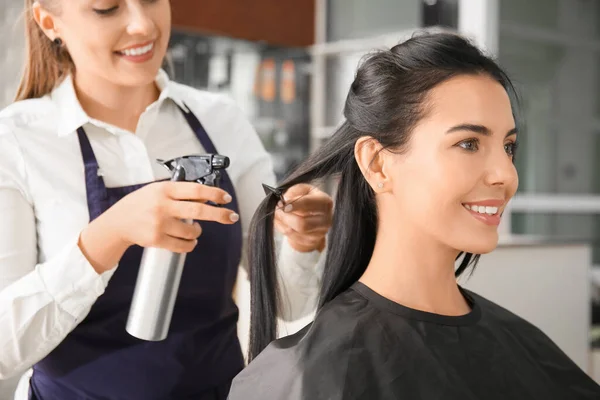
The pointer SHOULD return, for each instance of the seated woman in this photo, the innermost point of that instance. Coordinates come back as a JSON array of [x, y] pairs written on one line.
[[425, 161]]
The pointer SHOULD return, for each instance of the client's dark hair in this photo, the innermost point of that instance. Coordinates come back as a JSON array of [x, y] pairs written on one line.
[[385, 101]]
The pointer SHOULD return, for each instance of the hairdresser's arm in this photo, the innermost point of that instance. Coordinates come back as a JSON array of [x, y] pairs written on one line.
[[40, 303], [300, 272]]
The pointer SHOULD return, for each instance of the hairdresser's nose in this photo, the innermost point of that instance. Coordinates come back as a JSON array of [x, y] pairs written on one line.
[[500, 169], [140, 23]]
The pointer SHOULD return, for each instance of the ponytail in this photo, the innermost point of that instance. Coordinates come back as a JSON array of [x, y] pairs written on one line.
[[46, 64]]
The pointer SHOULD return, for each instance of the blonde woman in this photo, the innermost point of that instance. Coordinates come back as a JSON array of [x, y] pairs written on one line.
[[79, 199]]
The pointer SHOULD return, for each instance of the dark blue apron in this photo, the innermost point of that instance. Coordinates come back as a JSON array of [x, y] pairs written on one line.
[[201, 355]]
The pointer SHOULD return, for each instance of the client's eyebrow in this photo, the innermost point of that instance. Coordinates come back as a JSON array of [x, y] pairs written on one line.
[[482, 130]]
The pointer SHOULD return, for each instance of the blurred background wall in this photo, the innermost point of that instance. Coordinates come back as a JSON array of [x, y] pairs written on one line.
[[12, 43]]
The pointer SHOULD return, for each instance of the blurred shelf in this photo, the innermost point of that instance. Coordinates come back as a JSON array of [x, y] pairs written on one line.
[[548, 36], [369, 43], [556, 203]]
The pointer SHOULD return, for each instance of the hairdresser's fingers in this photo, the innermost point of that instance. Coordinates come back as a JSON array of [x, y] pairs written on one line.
[[304, 224], [296, 191], [309, 205], [191, 191], [313, 203]]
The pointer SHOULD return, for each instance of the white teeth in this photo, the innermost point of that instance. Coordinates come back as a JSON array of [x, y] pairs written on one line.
[[482, 209], [491, 210], [139, 51]]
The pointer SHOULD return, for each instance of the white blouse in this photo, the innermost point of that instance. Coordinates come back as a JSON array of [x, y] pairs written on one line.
[[47, 286]]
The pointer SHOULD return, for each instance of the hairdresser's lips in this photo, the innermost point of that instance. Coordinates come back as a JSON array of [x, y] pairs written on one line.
[[138, 53], [487, 211]]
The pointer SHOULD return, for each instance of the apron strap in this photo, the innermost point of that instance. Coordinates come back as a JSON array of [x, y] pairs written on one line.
[[94, 184]]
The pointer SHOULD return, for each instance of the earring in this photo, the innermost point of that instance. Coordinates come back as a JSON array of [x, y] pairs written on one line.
[[380, 185], [58, 42]]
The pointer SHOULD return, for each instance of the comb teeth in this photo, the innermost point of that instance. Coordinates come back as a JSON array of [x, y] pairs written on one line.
[[269, 189]]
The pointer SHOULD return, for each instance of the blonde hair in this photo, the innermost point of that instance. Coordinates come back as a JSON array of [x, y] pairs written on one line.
[[46, 64]]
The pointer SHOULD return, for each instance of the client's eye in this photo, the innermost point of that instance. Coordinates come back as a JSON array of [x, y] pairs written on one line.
[[511, 148], [470, 145]]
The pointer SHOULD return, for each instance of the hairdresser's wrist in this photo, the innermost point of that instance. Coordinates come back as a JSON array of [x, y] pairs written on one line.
[[308, 248], [101, 246]]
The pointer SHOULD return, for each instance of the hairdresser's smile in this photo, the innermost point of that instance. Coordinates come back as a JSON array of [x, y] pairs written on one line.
[[137, 53]]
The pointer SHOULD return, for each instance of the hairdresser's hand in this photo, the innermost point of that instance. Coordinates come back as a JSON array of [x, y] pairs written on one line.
[[153, 217], [306, 217]]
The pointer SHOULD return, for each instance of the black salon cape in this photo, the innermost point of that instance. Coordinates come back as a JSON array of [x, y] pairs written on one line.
[[364, 346]]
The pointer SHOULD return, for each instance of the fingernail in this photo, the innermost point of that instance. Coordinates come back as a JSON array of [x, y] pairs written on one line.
[[288, 208], [280, 205], [227, 198], [234, 217]]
